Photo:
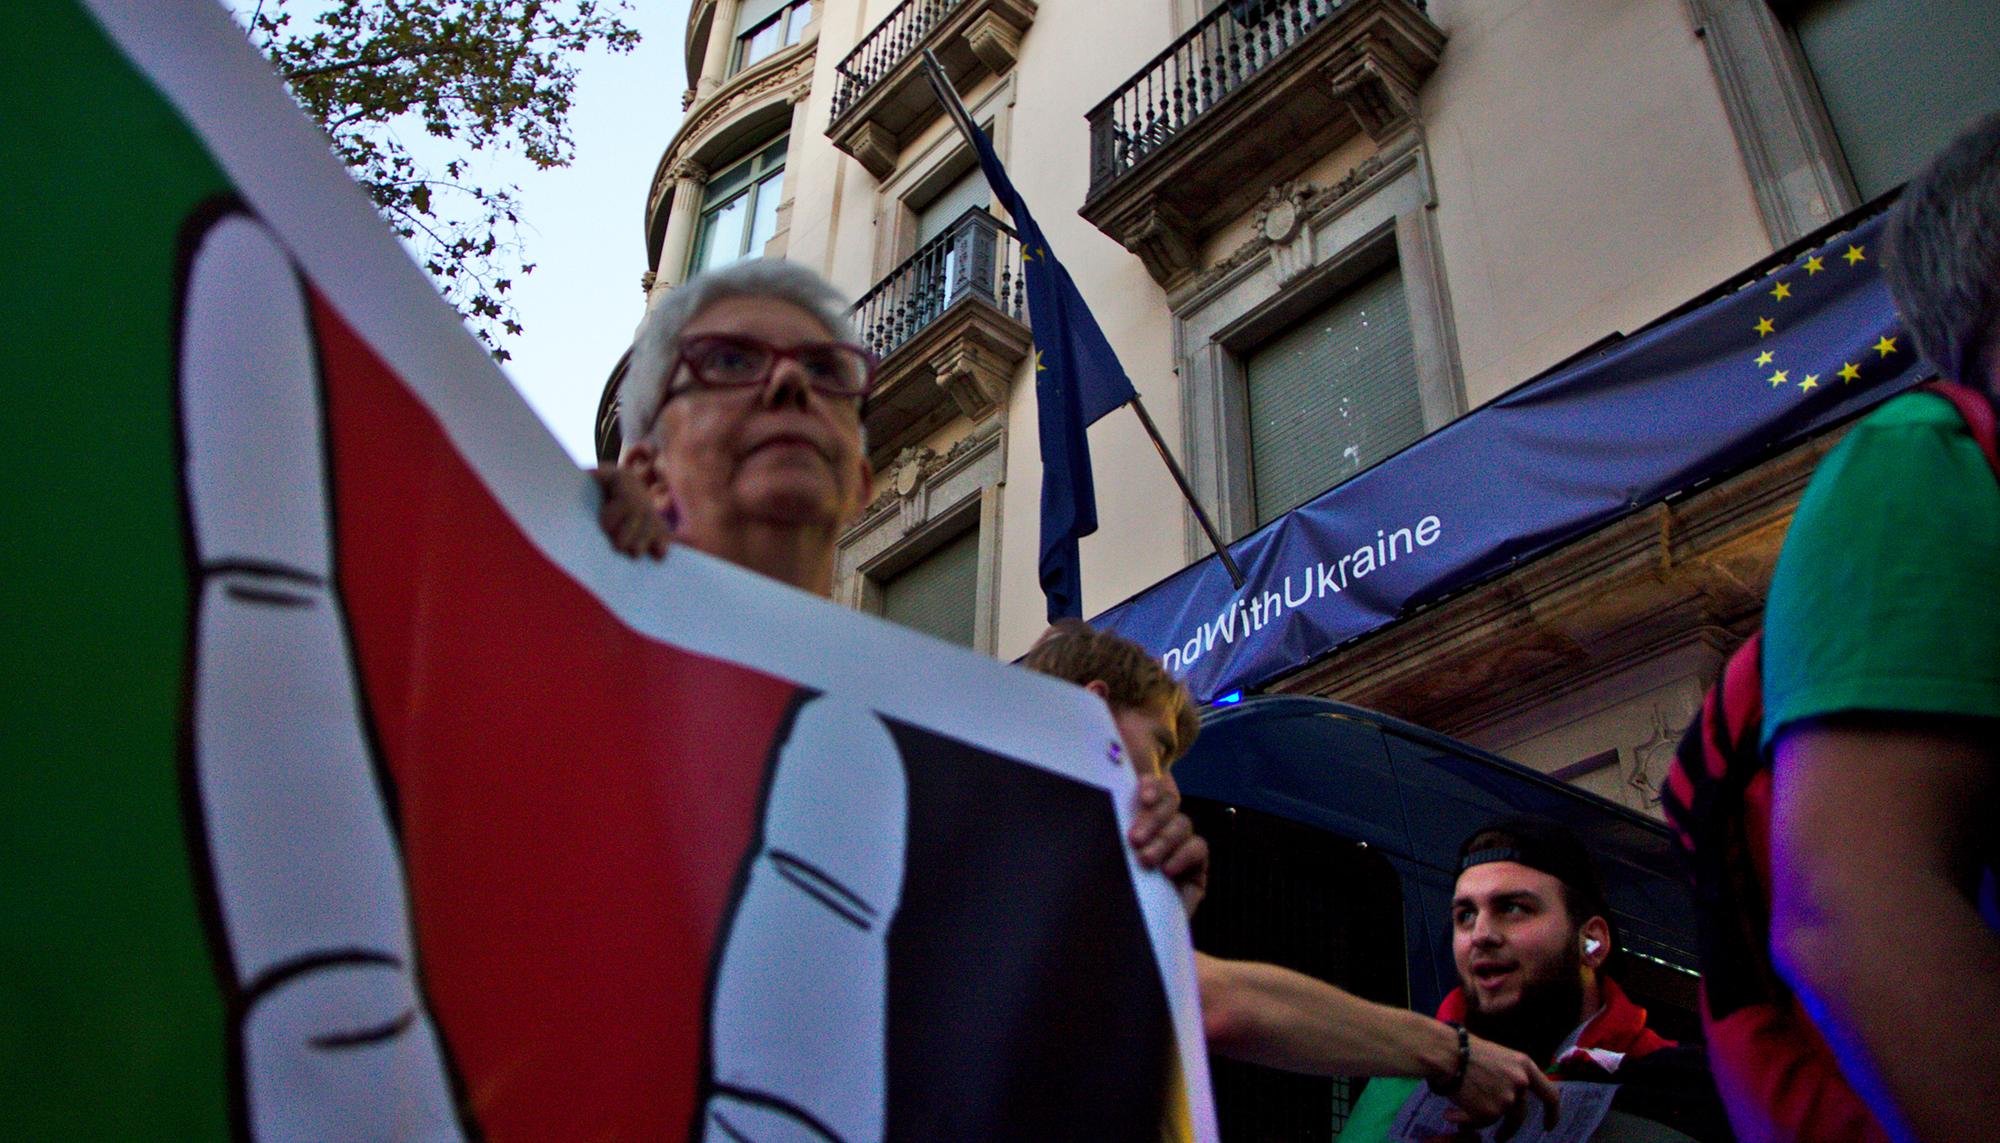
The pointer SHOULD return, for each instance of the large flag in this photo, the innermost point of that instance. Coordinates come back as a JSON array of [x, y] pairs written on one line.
[[1804, 342], [1077, 381], [357, 790]]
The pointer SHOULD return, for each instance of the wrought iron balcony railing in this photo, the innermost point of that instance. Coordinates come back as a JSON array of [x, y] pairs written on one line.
[[892, 42], [977, 256], [1216, 58]]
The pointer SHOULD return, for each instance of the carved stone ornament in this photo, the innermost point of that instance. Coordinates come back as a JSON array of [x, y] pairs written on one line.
[[974, 378], [1378, 87], [996, 41], [1303, 202], [687, 99], [646, 281], [688, 171], [1652, 756], [876, 148], [911, 467], [1281, 214], [1164, 242]]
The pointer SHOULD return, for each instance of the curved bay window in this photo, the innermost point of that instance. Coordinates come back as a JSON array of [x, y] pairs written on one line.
[[764, 26], [739, 210]]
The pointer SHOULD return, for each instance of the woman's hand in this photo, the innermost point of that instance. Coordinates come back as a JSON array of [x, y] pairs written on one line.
[[627, 515]]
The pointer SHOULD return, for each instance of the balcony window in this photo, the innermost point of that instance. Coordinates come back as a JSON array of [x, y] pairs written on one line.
[[766, 27], [1900, 78], [1332, 395], [739, 210], [968, 191]]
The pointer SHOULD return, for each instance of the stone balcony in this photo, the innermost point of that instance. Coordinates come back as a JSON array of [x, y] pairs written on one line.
[[949, 327], [1247, 99], [882, 101]]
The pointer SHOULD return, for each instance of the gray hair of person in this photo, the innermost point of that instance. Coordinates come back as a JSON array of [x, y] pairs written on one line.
[[1941, 255], [657, 341]]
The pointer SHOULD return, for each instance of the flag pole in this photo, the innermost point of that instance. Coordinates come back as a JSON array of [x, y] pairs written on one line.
[[955, 111], [1187, 493]]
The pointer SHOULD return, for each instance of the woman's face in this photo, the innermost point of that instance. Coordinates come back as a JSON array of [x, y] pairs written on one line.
[[780, 456]]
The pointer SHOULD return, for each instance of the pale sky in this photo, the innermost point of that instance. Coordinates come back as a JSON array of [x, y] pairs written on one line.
[[584, 225]]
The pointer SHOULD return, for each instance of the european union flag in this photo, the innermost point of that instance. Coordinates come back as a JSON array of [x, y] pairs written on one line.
[[1077, 380]]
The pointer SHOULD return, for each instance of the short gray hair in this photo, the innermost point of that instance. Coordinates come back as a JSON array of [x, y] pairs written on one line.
[[658, 338], [1942, 255]]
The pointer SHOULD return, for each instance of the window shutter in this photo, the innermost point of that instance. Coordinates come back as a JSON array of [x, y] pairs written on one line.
[[1333, 395], [1900, 78], [938, 594]]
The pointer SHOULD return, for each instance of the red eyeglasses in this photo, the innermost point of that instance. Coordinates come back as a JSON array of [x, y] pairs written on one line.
[[731, 361]]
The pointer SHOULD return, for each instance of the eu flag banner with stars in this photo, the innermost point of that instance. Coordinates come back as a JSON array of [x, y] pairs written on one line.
[[1077, 380], [1700, 395]]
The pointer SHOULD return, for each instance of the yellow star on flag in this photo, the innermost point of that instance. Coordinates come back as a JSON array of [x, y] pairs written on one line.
[[1854, 255], [1849, 371], [1765, 328], [1886, 346], [1781, 291], [1811, 381], [1039, 367], [1814, 265], [1765, 357], [1779, 378]]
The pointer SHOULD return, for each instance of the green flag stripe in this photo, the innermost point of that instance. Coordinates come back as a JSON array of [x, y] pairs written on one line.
[[114, 1026]]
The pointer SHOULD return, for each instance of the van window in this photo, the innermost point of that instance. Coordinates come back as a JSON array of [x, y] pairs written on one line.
[[1310, 900]]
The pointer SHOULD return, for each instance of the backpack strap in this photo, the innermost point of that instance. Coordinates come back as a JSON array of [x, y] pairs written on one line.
[[1977, 411]]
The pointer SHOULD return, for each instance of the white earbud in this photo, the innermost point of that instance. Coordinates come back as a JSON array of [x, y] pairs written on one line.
[[1591, 945]]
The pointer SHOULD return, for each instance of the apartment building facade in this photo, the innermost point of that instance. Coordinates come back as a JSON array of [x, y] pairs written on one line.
[[1315, 231]]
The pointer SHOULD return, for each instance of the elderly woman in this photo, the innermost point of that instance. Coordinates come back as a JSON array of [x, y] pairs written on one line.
[[742, 417]]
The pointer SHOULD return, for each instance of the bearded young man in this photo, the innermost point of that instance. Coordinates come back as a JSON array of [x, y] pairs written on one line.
[[1263, 1013], [1532, 941]]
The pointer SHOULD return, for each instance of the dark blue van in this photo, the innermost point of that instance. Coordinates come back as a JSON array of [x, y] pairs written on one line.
[[1335, 832]]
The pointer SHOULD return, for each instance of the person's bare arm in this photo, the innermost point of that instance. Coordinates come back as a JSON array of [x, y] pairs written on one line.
[[1875, 866], [1273, 1016]]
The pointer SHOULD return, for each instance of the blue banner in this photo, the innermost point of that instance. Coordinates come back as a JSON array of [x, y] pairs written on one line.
[[1708, 392]]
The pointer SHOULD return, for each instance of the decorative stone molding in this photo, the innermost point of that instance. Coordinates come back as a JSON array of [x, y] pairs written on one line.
[[1499, 653], [1164, 241], [1379, 87], [995, 39], [689, 171], [973, 376], [916, 466], [687, 99], [1297, 204], [646, 281], [1654, 754], [875, 147], [1795, 163]]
